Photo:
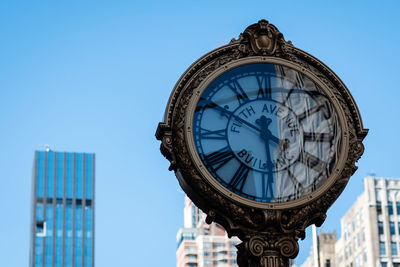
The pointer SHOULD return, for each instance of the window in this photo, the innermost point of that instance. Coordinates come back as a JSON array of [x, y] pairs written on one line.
[[393, 248], [328, 263], [219, 245], [40, 228], [390, 208], [365, 255], [362, 215], [392, 231], [382, 249], [358, 220], [380, 228], [378, 208], [384, 264], [349, 229]]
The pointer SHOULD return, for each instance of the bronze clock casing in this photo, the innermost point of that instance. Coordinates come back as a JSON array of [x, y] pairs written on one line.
[[269, 231]]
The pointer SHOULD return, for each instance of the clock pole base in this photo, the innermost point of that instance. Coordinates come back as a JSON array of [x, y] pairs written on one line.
[[264, 251]]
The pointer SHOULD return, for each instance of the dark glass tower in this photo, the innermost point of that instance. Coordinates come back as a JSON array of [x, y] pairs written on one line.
[[62, 222]]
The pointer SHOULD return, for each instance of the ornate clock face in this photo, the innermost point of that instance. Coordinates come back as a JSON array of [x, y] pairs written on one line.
[[266, 132]]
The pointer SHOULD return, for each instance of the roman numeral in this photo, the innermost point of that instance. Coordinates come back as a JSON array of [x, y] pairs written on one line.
[[291, 90], [299, 80], [219, 158], [309, 112], [298, 186], [318, 137], [239, 178], [264, 86], [267, 189], [240, 93], [217, 135], [204, 104], [312, 162], [322, 104]]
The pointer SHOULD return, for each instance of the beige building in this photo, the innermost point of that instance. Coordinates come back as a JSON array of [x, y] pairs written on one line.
[[325, 251], [200, 244], [370, 230]]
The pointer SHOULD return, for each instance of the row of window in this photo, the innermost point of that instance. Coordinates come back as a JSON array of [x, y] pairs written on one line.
[[390, 208], [354, 243], [393, 248], [219, 253], [207, 263], [359, 260], [355, 224], [391, 228], [394, 264], [52, 169]]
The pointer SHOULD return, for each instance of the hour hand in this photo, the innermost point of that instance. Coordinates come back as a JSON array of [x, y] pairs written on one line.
[[266, 134], [283, 143]]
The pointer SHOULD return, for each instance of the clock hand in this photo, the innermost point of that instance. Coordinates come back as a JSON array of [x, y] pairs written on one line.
[[269, 161], [264, 122]]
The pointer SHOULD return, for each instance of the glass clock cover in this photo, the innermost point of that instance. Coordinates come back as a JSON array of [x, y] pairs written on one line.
[[267, 132]]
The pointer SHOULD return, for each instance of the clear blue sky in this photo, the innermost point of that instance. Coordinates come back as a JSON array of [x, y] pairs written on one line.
[[95, 76]]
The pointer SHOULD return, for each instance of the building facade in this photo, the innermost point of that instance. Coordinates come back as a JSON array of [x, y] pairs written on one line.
[[371, 228], [62, 217], [325, 251], [203, 245]]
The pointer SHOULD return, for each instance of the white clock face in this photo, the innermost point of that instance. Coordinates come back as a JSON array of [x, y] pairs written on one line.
[[266, 132]]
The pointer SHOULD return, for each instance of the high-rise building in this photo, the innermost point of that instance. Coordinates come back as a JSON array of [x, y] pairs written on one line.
[[200, 244], [371, 228], [62, 220]]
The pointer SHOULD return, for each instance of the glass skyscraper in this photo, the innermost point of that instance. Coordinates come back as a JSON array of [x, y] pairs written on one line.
[[62, 222]]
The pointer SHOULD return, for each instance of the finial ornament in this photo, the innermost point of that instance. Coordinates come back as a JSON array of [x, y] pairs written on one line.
[[264, 39]]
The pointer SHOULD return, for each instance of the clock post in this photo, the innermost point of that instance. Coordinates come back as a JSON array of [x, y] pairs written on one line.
[[263, 137]]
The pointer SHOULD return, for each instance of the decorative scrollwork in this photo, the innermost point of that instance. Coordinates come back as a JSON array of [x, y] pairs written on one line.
[[288, 247], [261, 38], [256, 246]]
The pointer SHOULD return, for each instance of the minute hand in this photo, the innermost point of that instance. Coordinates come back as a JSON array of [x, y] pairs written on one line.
[[246, 122]]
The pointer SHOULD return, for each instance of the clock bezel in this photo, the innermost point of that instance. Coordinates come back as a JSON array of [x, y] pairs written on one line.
[[190, 144]]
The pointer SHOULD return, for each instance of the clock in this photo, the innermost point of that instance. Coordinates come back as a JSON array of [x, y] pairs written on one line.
[[263, 137], [266, 132], [262, 131]]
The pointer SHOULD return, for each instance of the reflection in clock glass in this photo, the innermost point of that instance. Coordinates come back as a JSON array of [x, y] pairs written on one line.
[[267, 132]]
